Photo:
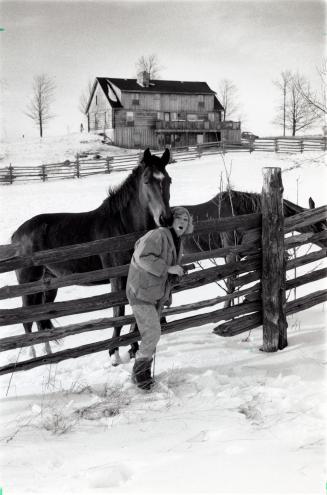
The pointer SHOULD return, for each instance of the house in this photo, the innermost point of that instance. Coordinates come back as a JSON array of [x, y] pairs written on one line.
[[142, 112]]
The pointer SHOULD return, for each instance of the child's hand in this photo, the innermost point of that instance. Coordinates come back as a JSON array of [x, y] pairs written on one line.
[[176, 270]]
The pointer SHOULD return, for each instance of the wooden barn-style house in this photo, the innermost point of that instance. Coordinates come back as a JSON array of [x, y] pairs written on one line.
[[142, 112]]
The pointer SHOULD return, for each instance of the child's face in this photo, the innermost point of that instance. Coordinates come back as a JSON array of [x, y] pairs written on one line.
[[180, 224]]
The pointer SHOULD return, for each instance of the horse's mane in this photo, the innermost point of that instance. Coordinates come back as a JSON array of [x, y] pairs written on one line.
[[240, 202], [119, 196]]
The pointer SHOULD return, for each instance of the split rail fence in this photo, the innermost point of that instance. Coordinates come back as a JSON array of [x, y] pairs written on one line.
[[86, 166], [261, 277]]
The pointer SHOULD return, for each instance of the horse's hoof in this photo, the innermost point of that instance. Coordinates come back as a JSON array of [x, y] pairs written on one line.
[[115, 359]]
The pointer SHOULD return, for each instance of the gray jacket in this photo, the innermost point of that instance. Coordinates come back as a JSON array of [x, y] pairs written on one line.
[[148, 280]]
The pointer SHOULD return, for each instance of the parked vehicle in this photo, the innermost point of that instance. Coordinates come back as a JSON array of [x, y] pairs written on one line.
[[249, 135]]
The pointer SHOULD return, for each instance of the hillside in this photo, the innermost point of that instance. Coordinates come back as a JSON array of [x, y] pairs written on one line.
[[54, 149]]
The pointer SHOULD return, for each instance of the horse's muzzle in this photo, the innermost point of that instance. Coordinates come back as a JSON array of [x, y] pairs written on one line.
[[166, 221]]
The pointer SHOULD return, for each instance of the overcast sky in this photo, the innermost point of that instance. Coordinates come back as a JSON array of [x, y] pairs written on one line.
[[249, 42]]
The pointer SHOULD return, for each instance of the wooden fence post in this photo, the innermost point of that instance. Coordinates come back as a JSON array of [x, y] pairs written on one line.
[[44, 175], [273, 262], [77, 166], [276, 145], [108, 165], [11, 175], [301, 145]]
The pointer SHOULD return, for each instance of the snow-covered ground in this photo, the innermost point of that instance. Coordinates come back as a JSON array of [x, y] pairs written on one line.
[[223, 418], [33, 152]]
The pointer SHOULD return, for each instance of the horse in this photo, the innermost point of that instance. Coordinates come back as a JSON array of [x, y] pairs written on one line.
[[140, 203], [233, 203]]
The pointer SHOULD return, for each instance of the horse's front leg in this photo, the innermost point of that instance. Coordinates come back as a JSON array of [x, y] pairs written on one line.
[[117, 284]]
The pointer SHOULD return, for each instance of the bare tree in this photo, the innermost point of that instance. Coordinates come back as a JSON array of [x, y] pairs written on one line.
[[315, 98], [283, 85], [294, 113], [227, 95], [300, 114], [85, 97], [149, 64], [43, 96]]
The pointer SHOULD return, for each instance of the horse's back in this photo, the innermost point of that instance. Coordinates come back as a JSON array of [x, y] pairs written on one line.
[[52, 230]]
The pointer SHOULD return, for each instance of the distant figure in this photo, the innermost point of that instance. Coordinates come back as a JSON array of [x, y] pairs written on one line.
[[82, 128], [23, 136]]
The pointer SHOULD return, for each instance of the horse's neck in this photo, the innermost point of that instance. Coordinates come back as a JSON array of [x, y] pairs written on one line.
[[135, 216]]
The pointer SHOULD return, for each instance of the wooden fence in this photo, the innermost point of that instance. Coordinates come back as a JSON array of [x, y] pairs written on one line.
[[86, 166], [261, 277]]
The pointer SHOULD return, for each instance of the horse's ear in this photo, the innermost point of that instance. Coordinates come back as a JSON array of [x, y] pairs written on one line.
[[165, 157], [146, 156], [311, 203]]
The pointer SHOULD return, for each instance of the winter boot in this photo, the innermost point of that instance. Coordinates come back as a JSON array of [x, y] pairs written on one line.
[[141, 374]]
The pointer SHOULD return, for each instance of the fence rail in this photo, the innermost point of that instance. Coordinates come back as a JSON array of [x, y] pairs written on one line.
[[86, 166]]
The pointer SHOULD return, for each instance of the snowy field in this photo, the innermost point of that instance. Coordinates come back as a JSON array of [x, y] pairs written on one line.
[[34, 152], [223, 417]]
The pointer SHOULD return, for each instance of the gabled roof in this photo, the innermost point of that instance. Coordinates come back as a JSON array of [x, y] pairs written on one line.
[[156, 86], [217, 105], [161, 86]]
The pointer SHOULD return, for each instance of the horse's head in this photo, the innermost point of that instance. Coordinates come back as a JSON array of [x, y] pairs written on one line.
[[155, 187]]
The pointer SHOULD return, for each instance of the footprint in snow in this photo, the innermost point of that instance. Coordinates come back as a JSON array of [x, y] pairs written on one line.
[[108, 475]]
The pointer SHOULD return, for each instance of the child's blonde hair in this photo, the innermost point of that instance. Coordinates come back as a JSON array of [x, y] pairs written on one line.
[[178, 211]]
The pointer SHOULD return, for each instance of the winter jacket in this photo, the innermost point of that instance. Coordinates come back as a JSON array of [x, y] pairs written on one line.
[[148, 278]]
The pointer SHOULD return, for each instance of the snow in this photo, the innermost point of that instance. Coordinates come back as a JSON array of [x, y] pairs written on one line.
[[37, 151], [224, 417]]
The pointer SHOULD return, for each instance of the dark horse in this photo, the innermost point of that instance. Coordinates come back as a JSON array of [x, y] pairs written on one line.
[[232, 203], [140, 203]]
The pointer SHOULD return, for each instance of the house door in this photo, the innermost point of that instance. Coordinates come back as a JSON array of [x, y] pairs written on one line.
[[199, 139]]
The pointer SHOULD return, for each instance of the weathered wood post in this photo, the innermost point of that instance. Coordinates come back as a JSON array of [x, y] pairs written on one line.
[[43, 173], [77, 166], [273, 262], [108, 165], [301, 145], [276, 145], [11, 175]]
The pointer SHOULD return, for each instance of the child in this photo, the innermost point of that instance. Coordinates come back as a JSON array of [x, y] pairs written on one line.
[[157, 254]]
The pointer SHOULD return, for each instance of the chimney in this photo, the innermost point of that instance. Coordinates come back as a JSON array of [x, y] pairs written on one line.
[[143, 79]]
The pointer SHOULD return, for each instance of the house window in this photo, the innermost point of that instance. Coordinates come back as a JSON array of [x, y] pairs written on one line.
[[160, 115], [130, 118], [167, 117], [174, 116], [191, 116], [201, 101], [96, 99], [135, 99], [211, 116]]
